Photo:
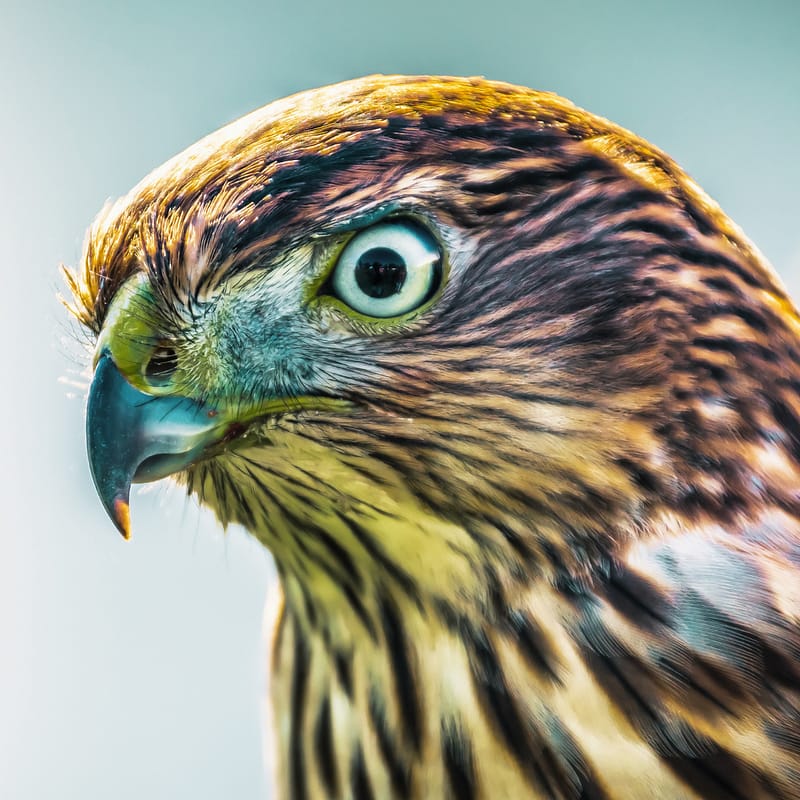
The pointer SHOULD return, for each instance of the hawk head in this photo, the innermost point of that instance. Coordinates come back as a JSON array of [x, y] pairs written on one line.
[[473, 293]]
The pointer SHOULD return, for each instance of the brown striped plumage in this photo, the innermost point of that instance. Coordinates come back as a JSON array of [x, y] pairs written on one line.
[[539, 539]]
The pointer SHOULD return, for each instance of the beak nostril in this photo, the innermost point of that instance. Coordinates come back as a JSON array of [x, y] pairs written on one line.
[[161, 366]]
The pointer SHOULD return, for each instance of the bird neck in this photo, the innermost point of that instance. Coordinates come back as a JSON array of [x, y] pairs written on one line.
[[412, 651], [432, 701], [398, 637], [408, 703]]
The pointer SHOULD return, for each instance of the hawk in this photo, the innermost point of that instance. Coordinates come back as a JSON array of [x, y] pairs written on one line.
[[516, 409]]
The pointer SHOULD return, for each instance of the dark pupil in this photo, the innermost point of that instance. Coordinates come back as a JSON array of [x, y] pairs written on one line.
[[380, 272]]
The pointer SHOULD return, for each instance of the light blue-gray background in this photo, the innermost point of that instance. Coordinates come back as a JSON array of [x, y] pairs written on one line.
[[135, 670]]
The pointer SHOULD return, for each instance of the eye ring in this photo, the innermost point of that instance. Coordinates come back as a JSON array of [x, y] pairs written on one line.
[[388, 269]]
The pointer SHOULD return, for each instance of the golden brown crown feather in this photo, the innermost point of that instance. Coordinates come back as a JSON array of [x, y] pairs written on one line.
[[228, 173]]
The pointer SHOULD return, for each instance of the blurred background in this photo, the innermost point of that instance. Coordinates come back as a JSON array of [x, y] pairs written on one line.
[[136, 670]]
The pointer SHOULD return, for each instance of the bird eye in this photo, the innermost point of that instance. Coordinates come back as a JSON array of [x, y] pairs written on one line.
[[388, 269]]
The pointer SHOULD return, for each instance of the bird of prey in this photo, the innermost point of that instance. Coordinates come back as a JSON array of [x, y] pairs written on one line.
[[516, 409]]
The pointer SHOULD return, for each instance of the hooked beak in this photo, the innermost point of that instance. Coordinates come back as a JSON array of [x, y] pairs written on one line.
[[134, 437]]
